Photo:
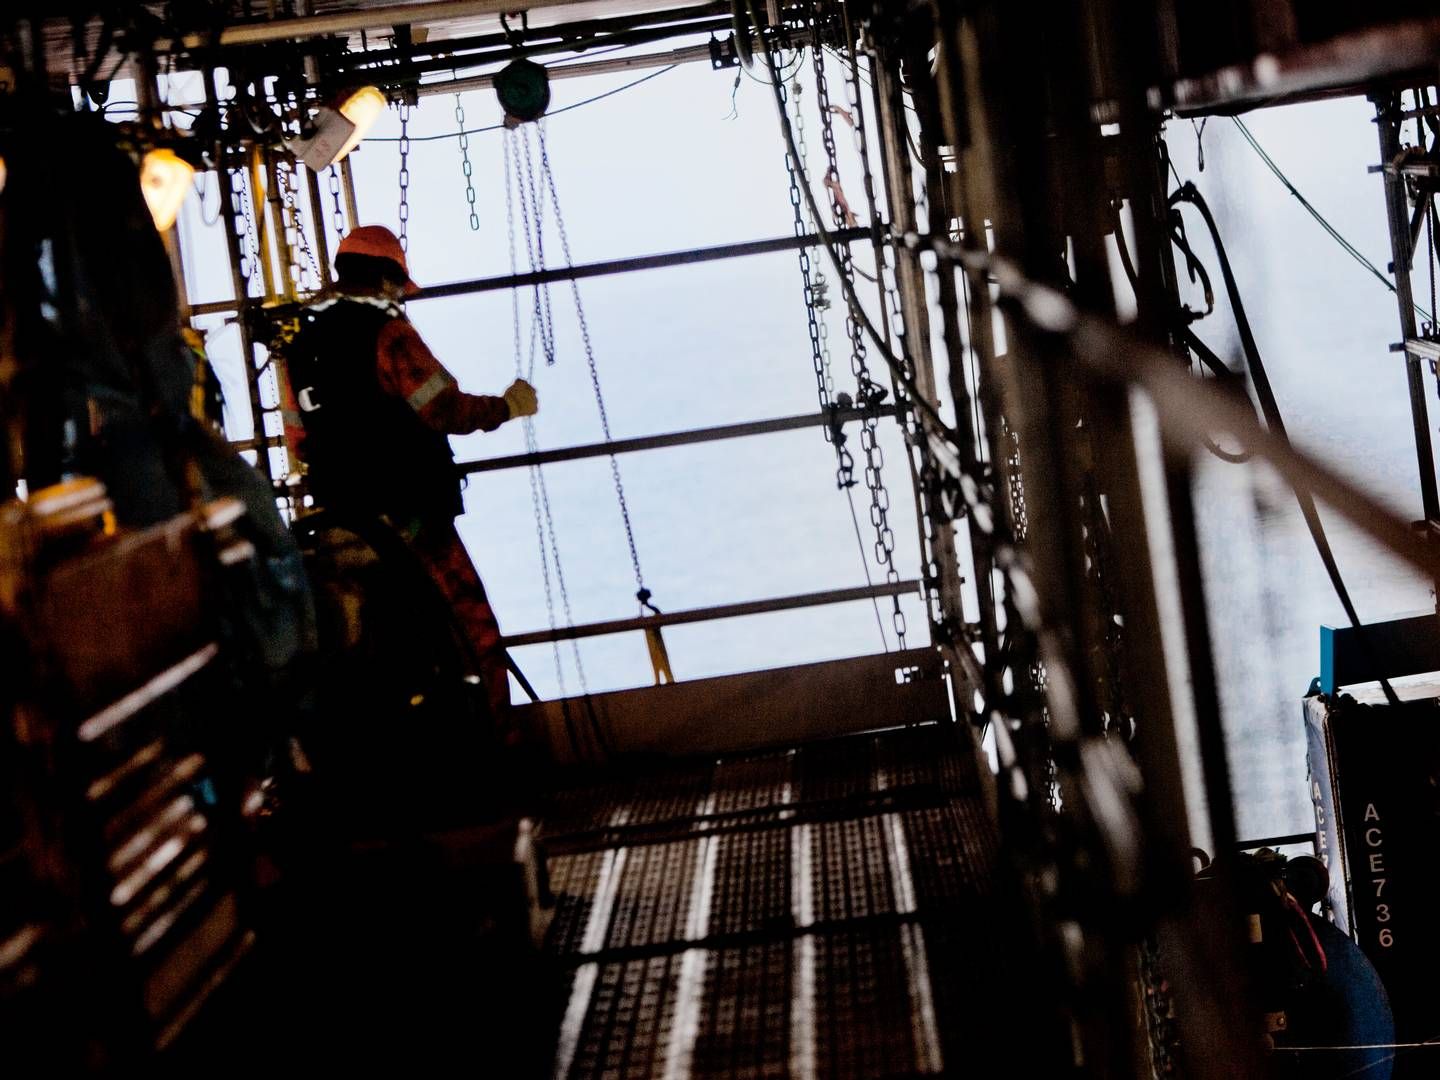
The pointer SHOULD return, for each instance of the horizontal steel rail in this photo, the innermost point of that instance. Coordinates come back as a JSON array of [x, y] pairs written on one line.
[[675, 438], [709, 614], [602, 269], [638, 262]]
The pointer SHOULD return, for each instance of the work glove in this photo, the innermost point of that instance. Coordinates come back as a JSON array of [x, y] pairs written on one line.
[[520, 397]]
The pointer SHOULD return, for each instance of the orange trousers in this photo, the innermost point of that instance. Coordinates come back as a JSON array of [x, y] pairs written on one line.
[[440, 548]]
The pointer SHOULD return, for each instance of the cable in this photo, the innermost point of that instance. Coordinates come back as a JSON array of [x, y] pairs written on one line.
[[1348, 247], [1207, 355], [557, 112], [865, 563], [1270, 407]]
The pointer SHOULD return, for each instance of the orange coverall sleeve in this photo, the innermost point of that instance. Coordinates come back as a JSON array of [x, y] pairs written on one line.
[[408, 369]]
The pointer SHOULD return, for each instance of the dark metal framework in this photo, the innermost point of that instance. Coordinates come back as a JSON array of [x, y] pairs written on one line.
[[1001, 182]]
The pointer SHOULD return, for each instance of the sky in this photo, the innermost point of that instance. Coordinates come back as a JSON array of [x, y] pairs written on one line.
[[668, 165]]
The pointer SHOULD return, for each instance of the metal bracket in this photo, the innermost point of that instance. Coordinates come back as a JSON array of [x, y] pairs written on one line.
[[723, 54]]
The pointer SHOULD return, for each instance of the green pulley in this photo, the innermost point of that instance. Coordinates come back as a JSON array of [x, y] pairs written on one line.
[[523, 88]]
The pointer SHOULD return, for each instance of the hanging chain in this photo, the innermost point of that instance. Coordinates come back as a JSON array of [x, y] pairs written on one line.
[[816, 299], [539, 494], [820, 287], [294, 222], [337, 215], [642, 593], [239, 211], [404, 176], [532, 208], [465, 164], [867, 392], [250, 235]]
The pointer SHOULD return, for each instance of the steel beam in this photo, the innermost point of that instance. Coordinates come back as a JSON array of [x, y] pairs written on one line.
[[640, 262], [676, 438], [723, 611], [688, 55], [599, 269], [1398, 215]]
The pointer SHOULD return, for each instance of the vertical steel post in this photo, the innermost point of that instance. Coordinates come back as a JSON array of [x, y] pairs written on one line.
[[258, 187], [243, 302], [318, 226], [942, 569], [1387, 121], [347, 181], [279, 227]]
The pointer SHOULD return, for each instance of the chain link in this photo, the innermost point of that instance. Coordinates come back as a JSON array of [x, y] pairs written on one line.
[[465, 164], [250, 252], [820, 287], [337, 215], [642, 593], [815, 300], [532, 208], [867, 392], [404, 176], [296, 238], [239, 210], [539, 494]]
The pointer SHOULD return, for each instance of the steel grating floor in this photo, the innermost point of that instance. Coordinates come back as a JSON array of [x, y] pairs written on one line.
[[825, 911]]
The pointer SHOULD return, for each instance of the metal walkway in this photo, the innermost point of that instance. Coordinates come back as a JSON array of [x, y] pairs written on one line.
[[824, 911]]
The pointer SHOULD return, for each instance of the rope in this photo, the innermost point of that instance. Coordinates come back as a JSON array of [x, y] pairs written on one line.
[[554, 112], [865, 565], [1349, 248]]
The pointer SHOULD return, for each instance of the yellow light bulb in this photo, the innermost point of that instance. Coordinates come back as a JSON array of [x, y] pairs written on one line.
[[362, 109], [164, 180]]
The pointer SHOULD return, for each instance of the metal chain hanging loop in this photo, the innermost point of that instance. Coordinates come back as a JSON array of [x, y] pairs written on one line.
[[250, 252], [549, 545], [815, 299], [239, 211], [296, 238], [642, 593], [404, 176], [867, 392], [337, 215], [820, 287], [465, 164]]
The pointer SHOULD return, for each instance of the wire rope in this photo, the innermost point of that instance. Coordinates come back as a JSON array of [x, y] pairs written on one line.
[[556, 112]]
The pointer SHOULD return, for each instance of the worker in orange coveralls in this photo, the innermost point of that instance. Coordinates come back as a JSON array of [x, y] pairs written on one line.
[[377, 407]]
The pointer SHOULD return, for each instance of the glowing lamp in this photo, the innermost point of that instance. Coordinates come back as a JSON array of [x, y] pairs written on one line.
[[164, 180], [338, 131], [362, 109]]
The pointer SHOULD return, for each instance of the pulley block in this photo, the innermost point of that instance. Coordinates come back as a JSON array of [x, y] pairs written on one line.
[[523, 88]]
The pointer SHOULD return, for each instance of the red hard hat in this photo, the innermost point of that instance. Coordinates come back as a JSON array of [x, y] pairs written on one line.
[[378, 242]]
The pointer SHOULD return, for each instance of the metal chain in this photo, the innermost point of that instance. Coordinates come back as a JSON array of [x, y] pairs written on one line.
[[465, 164], [866, 390], [820, 286], [539, 494], [249, 235], [404, 176], [1014, 484], [337, 216], [815, 300], [642, 593], [532, 207], [239, 209], [294, 220]]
